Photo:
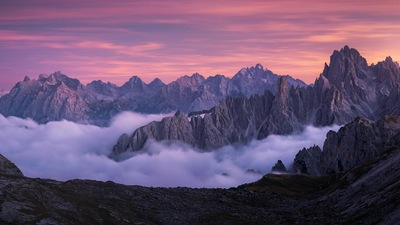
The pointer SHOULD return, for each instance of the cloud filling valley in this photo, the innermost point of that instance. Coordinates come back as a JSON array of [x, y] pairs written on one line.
[[65, 150]]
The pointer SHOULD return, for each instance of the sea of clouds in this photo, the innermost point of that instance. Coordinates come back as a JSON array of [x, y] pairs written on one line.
[[65, 150]]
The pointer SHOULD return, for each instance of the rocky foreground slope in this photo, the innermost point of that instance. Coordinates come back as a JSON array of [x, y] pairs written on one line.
[[57, 97], [347, 88], [367, 194]]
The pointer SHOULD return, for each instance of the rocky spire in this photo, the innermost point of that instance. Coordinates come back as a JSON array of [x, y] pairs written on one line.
[[279, 167], [282, 119]]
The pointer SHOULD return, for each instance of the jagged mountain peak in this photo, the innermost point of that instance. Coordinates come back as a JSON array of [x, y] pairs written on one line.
[[388, 59], [388, 64], [217, 77], [134, 84], [156, 81], [349, 53], [348, 56], [258, 67], [347, 67], [103, 88], [156, 84], [195, 76], [96, 85], [250, 72], [135, 80], [57, 78], [283, 87], [194, 79], [100, 82]]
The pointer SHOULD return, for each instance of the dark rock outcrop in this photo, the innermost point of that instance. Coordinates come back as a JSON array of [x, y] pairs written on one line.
[[279, 167], [308, 161], [354, 144]]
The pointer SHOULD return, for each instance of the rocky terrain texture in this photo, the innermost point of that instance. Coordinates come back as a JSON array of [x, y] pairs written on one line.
[[347, 88], [368, 194], [355, 143], [8, 168], [57, 97]]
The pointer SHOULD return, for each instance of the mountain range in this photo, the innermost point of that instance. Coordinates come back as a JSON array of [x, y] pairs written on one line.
[[57, 96], [352, 179], [347, 88]]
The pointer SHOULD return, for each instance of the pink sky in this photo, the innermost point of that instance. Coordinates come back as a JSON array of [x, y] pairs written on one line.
[[114, 40]]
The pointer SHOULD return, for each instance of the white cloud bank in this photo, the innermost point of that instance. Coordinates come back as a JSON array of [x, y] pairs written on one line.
[[66, 150]]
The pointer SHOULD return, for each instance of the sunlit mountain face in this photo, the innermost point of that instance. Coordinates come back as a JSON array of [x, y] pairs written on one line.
[[94, 40]]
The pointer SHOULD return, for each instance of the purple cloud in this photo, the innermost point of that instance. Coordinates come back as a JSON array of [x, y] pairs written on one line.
[[65, 150]]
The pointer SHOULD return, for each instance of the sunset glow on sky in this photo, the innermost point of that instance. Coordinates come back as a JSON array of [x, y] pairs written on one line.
[[114, 40]]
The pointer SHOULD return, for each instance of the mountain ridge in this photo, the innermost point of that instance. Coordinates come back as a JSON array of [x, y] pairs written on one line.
[[97, 102]]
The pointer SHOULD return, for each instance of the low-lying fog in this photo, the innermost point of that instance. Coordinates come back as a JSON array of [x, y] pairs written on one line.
[[66, 150]]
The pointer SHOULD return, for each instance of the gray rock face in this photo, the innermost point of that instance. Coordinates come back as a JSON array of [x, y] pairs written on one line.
[[235, 120], [347, 88], [282, 119], [279, 167], [9, 168], [49, 98], [157, 131], [358, 142], [104, 90], [308, 161], [58, 97], [250, 81], [354, 144]]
